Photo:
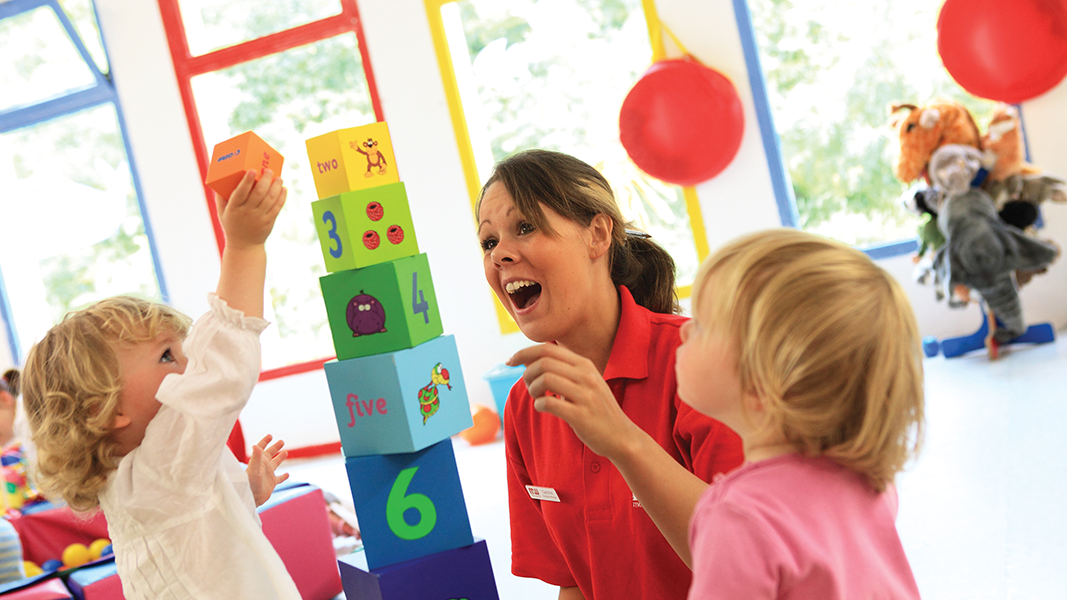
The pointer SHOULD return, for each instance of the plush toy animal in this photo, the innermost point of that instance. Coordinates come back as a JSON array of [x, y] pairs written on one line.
[[981, 251], [1017, 187], [926, 128]]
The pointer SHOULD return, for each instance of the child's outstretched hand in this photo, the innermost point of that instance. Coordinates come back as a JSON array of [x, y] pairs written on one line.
[[262, 466], [249, 213], [247, 218]]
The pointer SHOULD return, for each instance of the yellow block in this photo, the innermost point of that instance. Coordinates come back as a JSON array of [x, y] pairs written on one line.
[[352, 159]]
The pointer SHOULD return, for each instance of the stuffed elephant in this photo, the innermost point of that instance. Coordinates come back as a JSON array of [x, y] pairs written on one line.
[[983, 253]]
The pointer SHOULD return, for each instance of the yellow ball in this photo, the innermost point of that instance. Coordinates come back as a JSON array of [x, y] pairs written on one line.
[[76, 555], [96, 549], [31, 568]]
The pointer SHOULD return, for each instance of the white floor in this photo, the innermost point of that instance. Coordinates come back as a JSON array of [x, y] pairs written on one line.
[[983, 510]]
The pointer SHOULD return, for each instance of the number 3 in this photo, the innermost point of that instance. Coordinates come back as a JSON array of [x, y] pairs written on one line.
[[399, 502], [329, 219]]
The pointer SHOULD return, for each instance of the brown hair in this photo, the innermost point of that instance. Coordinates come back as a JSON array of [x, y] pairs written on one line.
[[71, 385], [11, 380], [827, 340], [578, 192]]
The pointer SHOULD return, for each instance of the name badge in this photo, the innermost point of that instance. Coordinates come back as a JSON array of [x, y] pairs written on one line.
[[542, 493]]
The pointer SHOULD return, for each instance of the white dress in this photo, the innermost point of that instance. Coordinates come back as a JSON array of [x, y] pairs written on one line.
[[180, 512]]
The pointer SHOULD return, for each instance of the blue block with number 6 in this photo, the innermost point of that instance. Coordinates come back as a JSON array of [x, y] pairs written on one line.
[[399, 401], [365, 227], [409, 505], [381, 308]]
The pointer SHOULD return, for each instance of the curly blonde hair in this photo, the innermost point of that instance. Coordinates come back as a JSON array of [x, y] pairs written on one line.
[[827, 340], [71, 384]]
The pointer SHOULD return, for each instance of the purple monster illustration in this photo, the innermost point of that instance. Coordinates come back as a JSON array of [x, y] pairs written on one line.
[[365, 315]]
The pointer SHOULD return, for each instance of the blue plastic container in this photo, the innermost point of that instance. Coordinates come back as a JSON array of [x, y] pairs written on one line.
[[501, 378]]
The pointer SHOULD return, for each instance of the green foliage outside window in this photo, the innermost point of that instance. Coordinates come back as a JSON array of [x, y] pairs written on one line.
[[833, 68]]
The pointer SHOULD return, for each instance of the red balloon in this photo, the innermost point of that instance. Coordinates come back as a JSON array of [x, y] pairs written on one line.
[[1009, 51], [682, 122]]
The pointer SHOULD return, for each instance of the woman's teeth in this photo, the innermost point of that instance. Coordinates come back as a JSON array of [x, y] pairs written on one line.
[[515, 286]]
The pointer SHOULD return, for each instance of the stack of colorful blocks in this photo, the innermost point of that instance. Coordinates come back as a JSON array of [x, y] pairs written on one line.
[[397, 387]]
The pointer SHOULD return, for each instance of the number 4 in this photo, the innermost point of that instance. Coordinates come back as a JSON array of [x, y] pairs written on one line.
[[421, 306]]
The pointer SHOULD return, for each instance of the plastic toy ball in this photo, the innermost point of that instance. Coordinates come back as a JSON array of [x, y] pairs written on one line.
[[682, 122], [96, 549], [1006, 51], [486, 425], [50, 566], [76, 555], [31, 568]]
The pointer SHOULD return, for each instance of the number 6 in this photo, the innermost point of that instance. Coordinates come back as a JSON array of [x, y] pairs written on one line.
[[399, 502]]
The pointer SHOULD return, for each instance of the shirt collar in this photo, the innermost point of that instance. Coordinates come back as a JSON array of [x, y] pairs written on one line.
[[629, 352]]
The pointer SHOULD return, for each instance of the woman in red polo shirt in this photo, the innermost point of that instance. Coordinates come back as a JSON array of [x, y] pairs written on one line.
[[558, 255]]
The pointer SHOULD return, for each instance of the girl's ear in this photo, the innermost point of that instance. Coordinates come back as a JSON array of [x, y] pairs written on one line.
[[120, 421], [600, 230]]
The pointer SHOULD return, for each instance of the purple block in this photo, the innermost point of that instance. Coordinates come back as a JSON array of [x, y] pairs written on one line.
[[459, 573]]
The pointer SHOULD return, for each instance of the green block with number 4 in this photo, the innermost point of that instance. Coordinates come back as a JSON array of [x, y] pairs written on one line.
[[382, 308], [365, 227]]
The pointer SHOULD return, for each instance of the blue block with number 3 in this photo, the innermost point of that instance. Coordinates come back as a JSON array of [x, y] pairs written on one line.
[[381, 308], [399, 401], [409, 505]]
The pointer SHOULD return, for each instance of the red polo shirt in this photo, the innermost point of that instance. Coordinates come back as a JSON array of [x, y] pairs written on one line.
[[598, 537]]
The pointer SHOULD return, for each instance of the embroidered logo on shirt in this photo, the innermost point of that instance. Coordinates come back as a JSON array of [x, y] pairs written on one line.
[[542, 493], [637, 503]]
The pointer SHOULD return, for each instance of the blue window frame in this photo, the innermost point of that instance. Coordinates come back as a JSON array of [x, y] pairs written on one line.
[[98, 93]]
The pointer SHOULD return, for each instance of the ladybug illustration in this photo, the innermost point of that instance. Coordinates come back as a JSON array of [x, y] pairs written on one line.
[[375, 211], [371, 239], [365, 315]]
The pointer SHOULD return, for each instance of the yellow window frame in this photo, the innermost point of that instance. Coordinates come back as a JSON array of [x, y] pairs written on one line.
[[466, 149]]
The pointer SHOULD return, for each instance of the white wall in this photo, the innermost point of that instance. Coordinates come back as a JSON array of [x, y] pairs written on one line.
[[740, 199]]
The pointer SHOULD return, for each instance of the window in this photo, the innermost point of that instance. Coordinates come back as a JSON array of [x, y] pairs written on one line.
[[75, 229], [288, 71], [832, 68], [524, 74]]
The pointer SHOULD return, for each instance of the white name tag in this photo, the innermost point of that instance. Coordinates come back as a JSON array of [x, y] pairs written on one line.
[[542, 493]]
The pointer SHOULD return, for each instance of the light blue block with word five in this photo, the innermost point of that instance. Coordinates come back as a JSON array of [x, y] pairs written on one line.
[[399, 401]]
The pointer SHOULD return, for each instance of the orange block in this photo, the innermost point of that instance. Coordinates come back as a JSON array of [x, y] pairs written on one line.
[[230, 160]]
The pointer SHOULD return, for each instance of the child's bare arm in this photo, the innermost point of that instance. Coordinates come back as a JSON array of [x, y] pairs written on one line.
[[247, 218], [262, 467]]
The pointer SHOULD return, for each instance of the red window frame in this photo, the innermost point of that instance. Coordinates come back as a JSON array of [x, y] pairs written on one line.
[[187, 66]]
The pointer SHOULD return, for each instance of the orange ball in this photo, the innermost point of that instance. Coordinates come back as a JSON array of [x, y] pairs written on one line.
[[486, 425]]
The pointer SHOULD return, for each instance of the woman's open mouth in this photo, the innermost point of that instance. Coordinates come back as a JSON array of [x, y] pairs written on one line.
[[523, 293]]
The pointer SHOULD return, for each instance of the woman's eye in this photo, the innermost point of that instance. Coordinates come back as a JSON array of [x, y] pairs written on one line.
[[488, 244], [525, 228], [167, 357]]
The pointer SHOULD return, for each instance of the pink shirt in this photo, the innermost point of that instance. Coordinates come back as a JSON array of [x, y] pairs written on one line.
[[794, 527]]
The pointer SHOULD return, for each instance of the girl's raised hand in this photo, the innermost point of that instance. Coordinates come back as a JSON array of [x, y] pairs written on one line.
[[248, 215], [262, 467], [570, 387]]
